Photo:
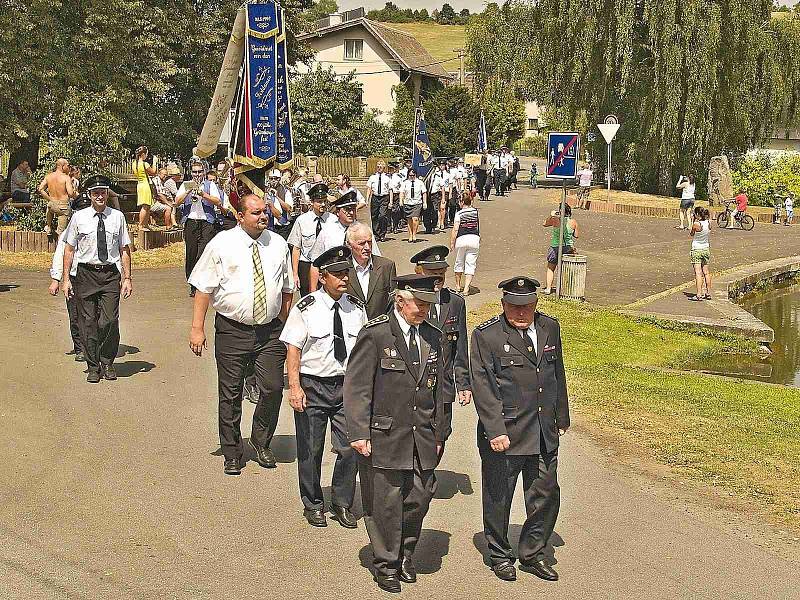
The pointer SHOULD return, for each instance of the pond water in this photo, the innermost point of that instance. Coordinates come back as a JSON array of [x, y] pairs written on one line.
[[780, 309]]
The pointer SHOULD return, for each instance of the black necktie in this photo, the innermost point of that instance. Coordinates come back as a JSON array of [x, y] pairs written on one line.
[[434, 313], [339, 349], [529, 343], [413, 348], [319, 224], [102, 246], [379, 183]]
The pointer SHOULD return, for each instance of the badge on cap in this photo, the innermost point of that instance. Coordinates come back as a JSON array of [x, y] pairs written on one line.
[[520, 282], [387, 351], [394, 353], [506, 348]]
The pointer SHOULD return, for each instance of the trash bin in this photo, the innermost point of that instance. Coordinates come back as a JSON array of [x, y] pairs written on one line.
[[573, 277]]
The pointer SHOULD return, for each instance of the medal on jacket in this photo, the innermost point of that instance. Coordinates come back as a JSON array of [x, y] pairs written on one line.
[[506, 348]]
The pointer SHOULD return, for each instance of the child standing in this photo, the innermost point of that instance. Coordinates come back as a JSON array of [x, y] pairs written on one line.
[[789, 207]]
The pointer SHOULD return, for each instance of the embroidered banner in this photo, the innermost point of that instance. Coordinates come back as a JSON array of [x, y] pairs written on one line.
[[422, 159], [285, 148]]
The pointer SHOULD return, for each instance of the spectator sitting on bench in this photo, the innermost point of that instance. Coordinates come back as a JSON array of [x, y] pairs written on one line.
[[20, 179], [161, 203]]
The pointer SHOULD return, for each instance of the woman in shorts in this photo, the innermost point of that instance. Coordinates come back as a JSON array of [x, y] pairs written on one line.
[[700, 253], [570, 227], [687, 187]]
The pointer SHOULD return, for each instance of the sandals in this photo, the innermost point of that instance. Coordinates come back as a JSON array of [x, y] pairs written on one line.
[[695, 298]]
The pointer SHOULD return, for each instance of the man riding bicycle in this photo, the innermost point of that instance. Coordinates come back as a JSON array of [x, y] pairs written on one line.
[[741, 208]]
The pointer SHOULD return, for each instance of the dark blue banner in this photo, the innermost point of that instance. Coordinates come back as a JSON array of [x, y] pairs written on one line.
[[285, 150], [483, 142], [262, 74], [422, 157]]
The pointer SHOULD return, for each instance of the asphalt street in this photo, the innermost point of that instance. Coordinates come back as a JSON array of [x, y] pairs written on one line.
[[117, 491]]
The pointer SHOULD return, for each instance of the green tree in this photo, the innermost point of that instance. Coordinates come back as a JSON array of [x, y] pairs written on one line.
[[402, 119], [321, 9], [505, 116], [452, 117], [688, 80], [447, 16], [329, 118]]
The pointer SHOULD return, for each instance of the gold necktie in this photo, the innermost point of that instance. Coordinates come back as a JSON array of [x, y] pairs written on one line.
[[260, 289]]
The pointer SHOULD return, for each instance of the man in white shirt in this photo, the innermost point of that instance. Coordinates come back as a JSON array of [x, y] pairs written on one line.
[[281, 203], [396, 209], [506, 161], [319, 335], [97, 253], [584, 177], [378, 191], [333, 232], [245, 273], [403, 172], [305, 231], [412, 197], [198, 198]]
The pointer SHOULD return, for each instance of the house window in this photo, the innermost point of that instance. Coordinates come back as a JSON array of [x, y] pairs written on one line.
[[354, 49], [533, 123]]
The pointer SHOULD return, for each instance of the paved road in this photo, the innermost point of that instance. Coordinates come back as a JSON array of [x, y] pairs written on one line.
[[117, 491]]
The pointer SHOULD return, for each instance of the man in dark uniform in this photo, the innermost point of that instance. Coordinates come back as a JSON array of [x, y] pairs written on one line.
[[319, 334], [520, 393], [450, 315], [394, 410]]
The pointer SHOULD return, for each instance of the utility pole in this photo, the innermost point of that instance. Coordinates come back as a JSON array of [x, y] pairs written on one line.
[[462, 76]]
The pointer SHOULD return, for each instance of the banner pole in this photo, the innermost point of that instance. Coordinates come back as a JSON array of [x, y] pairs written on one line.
[[561, 225]]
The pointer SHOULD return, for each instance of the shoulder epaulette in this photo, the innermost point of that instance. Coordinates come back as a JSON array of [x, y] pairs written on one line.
[[305, 302], [355, 300], [538, 314], [486, 324], [377, 321], [434, 325]]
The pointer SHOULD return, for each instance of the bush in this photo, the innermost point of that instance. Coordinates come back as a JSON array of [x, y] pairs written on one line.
[[32, 219], [533, 145], [763, 175]]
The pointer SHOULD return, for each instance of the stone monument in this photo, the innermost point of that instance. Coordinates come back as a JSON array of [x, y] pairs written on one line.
[[720, 182]]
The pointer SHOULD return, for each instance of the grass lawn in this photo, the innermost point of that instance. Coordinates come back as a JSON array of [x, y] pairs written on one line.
[[739, 435], [168, 256], [438, 40]]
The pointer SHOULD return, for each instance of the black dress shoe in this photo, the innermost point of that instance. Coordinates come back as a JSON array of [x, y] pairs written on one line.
[[407, 572], [264, 456], [388, 583], [79, 357], [232, 466], [505, 571], [541, 570], [344, 516], [109, 372], [93, 377], [315, 517]]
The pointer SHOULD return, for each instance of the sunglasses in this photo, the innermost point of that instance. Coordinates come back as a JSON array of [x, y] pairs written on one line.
[[197, 172]]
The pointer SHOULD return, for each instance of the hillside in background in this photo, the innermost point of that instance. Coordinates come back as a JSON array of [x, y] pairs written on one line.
[[439, 40]]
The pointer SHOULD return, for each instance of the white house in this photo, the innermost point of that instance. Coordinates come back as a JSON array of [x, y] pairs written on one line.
[[381, 57]]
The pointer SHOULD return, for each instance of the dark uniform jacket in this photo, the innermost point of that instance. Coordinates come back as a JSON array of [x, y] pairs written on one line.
[[453, 323], [381, 283], [386, 403], [516, 392]]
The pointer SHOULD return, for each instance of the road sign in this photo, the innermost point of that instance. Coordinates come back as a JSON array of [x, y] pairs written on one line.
[[563, 151], [591, 137], [611, 120], [609, 131]]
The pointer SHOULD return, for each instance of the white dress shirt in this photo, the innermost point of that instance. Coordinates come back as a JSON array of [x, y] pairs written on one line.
[[304, 232], [506, 160], [57, 268], [385, 184], [311, 330], [412, 192], [405, 328], [196, 211], [496, 162], [81, 234], [332, 235], [396, 183], [439, 182], [363, 274], [225, 270]]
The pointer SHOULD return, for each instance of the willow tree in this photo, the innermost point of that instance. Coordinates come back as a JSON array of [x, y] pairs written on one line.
[[688, 79]]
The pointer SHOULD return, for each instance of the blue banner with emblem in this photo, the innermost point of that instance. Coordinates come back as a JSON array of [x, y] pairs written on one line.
[[422, 156], [483, 142], [285, 148]]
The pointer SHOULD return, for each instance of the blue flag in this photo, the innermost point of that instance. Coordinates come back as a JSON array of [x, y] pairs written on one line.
[[422, 157], [483, 142]]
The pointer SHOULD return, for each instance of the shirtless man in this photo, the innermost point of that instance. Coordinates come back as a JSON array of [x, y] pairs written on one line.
[[56, 188]]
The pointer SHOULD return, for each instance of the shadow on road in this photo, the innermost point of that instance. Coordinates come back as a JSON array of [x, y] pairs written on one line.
[[450, 483], [479, 541], [7, 287], [284, 447], [125, 349], [132, 367], [433, 546]]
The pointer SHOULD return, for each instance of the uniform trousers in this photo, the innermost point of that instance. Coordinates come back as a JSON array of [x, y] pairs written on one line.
[[500, 182], [395, 503], [398, 218], [235, 346], [74, 324], [324, 403], [430, 214], [542, 500], [304, 274], [196, 234], [452, 205], [97, 297], [379, 212]]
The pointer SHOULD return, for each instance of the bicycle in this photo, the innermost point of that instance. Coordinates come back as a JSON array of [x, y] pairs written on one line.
[[744, 220]]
